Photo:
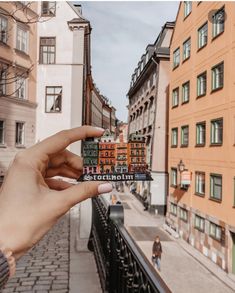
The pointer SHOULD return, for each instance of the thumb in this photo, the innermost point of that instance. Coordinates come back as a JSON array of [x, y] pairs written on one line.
[[84, 190]]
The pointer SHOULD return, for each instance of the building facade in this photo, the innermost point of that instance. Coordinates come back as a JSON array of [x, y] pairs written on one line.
[[148, 114], [96, 108], [121, 157], [64, 47], [18, 64], [106, 124], [201, 128], [90, 157], [136, 154]]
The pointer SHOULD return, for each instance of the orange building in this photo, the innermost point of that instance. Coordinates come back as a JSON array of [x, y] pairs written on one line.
[[201, 129], [136, 154], [121, 158], [107, 157]]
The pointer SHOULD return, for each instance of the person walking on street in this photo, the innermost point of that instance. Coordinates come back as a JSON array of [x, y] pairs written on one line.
[[157, 253]]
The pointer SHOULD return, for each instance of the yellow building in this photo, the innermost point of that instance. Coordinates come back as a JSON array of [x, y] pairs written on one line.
[[202, 129]]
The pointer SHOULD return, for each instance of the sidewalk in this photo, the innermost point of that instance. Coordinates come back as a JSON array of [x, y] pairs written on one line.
[[184, 269], [55, 265]]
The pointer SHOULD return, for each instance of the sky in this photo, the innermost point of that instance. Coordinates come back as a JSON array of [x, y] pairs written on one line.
[[120, 34]]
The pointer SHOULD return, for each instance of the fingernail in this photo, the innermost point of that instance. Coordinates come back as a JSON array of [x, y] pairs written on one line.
[[105, 187], [100, 129]]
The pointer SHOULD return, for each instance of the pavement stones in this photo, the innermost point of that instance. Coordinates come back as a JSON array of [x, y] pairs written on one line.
[[45, 268]]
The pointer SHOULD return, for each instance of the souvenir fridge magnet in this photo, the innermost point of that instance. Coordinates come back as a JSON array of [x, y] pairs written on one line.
[[107, 160]]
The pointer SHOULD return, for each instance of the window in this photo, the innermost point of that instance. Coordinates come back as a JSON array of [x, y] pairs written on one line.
[[47, 50], [175, 97], [184, 135], [48, 8], [217, 76], [183, 214], [201, 134], [173, 209], [216, 187], [217, 131], [215, 231], [3, 29], [21, 88], [174, 137], [200, 183], [187, 8], [173, 177], [201, 84], [20, 133], [185, 92], [2, 132], [176, 58], [53, 99], [22, 39], [186, 49], [3, 79], [199, 223], [202, 35], [218, 22]]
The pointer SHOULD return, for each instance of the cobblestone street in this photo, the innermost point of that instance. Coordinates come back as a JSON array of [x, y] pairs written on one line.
[[46, 267]]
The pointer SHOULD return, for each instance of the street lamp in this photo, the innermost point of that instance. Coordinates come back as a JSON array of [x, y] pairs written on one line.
[[181, 166]]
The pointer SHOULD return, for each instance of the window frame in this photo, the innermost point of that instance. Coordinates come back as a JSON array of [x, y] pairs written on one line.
[[3, 142], [184, 43], [198, 144], [197, 192], [41, 59], [198, 34], [46, 14], [182, 143], [186, 11], [182, 212], [201, 219], [198, 77], [174, 184], [26, 31], [175, 90], [213, 88], [175, 65], [217, 34], [212, 135], [2, 17], [177, 138], [23, 85], [20, 145], [214, 236], [212, 177], [183, 92], [46, 95], [172, 210]]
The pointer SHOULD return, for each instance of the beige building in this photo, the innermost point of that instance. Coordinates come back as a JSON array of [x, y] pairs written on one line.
[[202, 129], [18, 52], [96, 107], [148, 114]]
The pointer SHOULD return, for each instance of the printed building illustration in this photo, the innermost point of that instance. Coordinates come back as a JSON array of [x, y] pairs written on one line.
[[108, 156]]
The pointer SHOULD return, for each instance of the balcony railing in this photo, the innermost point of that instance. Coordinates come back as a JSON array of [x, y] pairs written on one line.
[[122, 266]]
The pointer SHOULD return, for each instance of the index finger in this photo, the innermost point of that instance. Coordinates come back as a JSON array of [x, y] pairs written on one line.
[[64, 138]]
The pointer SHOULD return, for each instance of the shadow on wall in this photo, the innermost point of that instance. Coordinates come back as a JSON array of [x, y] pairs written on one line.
[[179, 193]]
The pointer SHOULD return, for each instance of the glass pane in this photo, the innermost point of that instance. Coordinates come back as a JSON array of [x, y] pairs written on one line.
[[50, 103]]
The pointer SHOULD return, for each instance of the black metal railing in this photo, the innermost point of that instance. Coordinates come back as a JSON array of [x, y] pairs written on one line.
[[121, 265]]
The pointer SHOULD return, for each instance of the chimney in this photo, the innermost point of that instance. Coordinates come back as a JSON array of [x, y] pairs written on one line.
[[78, 7]]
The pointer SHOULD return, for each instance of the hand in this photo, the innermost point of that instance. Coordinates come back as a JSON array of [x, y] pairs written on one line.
[[31, 201]]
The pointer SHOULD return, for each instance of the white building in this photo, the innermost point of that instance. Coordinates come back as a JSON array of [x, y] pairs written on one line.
[[63, 57]]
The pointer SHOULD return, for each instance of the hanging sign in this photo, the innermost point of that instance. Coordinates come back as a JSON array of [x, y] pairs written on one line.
[[186, 178]]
